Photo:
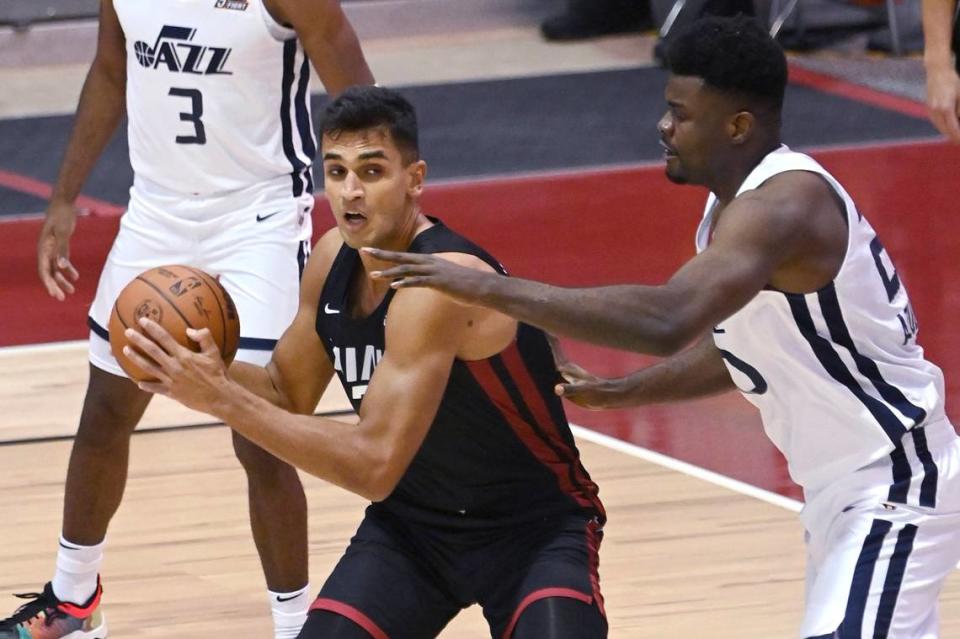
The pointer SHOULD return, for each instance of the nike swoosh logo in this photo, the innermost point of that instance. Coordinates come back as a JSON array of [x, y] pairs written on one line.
[[282, 599], [261, 218], [330, 311]]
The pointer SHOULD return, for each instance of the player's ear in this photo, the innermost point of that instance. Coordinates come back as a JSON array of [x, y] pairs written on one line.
[[416, 174], [741, 126]]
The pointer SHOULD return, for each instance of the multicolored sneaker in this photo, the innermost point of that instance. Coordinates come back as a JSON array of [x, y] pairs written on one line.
[[46, 617]]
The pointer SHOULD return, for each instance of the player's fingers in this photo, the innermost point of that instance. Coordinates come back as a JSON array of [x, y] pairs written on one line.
[[50, 283], [160, 335], [204, 338], [409, 282], [397, 257], [559, 357], [145, 364], [145, 347], [396, 272], [153, 387], [574, 373], [951, 125], [65, 266], [579, 393], [63, 283], [944, 120], [46, 267]]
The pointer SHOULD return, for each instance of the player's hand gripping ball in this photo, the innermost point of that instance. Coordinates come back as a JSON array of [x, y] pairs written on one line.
[[177, 298]]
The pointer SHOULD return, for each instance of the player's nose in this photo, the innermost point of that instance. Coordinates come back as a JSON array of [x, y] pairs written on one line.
[[352, 187]]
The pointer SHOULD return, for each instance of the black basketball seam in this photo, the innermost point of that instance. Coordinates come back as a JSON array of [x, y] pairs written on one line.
[[223, 316], [167, 300], [116, 308]]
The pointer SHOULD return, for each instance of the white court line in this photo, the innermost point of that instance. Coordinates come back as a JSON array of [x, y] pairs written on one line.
[[50, 347], [687, 469]]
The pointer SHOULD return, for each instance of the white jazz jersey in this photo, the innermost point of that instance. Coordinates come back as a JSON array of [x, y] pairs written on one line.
[[837, 374], [218, 96]]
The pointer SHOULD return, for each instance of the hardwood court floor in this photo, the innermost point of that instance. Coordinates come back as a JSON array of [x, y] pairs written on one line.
[[680, 556]]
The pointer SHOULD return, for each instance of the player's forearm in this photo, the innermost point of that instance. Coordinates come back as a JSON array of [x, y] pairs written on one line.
[[257, 380], [99, 111], [334, 451], [629, 317], [696, 372], [938, 16]]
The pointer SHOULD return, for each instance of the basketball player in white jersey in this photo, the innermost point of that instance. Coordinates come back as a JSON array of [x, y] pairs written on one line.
[[221, 142], [793, 300]]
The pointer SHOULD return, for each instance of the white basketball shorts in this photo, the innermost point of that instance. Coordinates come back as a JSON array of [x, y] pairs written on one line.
[[881, 542], [255, 240]]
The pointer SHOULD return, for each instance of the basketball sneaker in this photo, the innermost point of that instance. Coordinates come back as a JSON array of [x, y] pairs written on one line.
[[46, 617]]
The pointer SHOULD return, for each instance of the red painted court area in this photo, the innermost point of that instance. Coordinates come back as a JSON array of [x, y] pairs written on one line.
[[613, 226]]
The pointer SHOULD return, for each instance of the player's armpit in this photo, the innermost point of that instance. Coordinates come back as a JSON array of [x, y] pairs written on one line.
[[299, 368]]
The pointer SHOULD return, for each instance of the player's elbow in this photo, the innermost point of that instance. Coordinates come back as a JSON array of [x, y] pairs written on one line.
[[669, 338], [379, 483], [378, 473]]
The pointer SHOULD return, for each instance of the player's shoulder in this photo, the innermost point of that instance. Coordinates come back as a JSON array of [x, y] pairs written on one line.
[[791, 198], [791, 190], [321, 261], [467, 260]]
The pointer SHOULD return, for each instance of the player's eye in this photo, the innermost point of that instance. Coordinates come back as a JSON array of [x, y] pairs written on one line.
[[335, 171]]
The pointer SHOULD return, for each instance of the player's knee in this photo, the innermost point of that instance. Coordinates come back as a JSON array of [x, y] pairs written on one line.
[[324, 624], [112, 408], [258, 463], [561, 618]]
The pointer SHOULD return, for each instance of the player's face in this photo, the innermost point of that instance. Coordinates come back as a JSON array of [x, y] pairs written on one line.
[[692, 131], [372, 190]]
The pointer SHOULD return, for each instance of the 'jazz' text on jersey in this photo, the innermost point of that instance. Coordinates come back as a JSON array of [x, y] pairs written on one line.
[[175, 50]]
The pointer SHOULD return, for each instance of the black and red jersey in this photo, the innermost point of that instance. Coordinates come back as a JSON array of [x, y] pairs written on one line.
[[499, 450]]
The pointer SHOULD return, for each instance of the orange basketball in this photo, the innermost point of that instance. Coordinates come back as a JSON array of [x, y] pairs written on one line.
[[177, 298]]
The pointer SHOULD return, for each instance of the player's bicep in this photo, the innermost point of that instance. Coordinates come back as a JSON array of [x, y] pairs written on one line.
[[111, 55], [738, 264], [424, 331], [330, 42], [300, 367]]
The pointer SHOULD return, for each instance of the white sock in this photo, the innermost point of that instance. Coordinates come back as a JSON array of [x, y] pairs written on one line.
[[289, 611], [75, 579]]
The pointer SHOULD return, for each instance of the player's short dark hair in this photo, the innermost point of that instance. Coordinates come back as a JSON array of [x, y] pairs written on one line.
[[731, 54], [370, 107]]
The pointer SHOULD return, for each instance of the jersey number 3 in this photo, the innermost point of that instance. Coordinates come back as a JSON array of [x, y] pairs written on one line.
[[193, 116]]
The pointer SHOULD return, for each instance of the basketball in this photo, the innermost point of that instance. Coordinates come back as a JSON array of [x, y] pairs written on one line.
[[177, 298]]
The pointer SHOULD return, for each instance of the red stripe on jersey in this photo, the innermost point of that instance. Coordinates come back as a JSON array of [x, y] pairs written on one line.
[[482, 370], [350, 613], [593, 549], [538, 407], [543, 593]]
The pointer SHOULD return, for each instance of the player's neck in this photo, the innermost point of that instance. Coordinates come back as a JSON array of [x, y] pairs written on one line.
[[734, 171], [400, 241]]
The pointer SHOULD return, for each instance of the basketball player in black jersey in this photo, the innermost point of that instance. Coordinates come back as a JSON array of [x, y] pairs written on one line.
[[478, 492]]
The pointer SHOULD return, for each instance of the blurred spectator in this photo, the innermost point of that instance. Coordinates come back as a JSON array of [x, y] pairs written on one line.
[[592, 18], [939, 57]]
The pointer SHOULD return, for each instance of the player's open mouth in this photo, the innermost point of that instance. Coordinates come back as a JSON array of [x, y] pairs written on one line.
[[668, 151], [352, 217]]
